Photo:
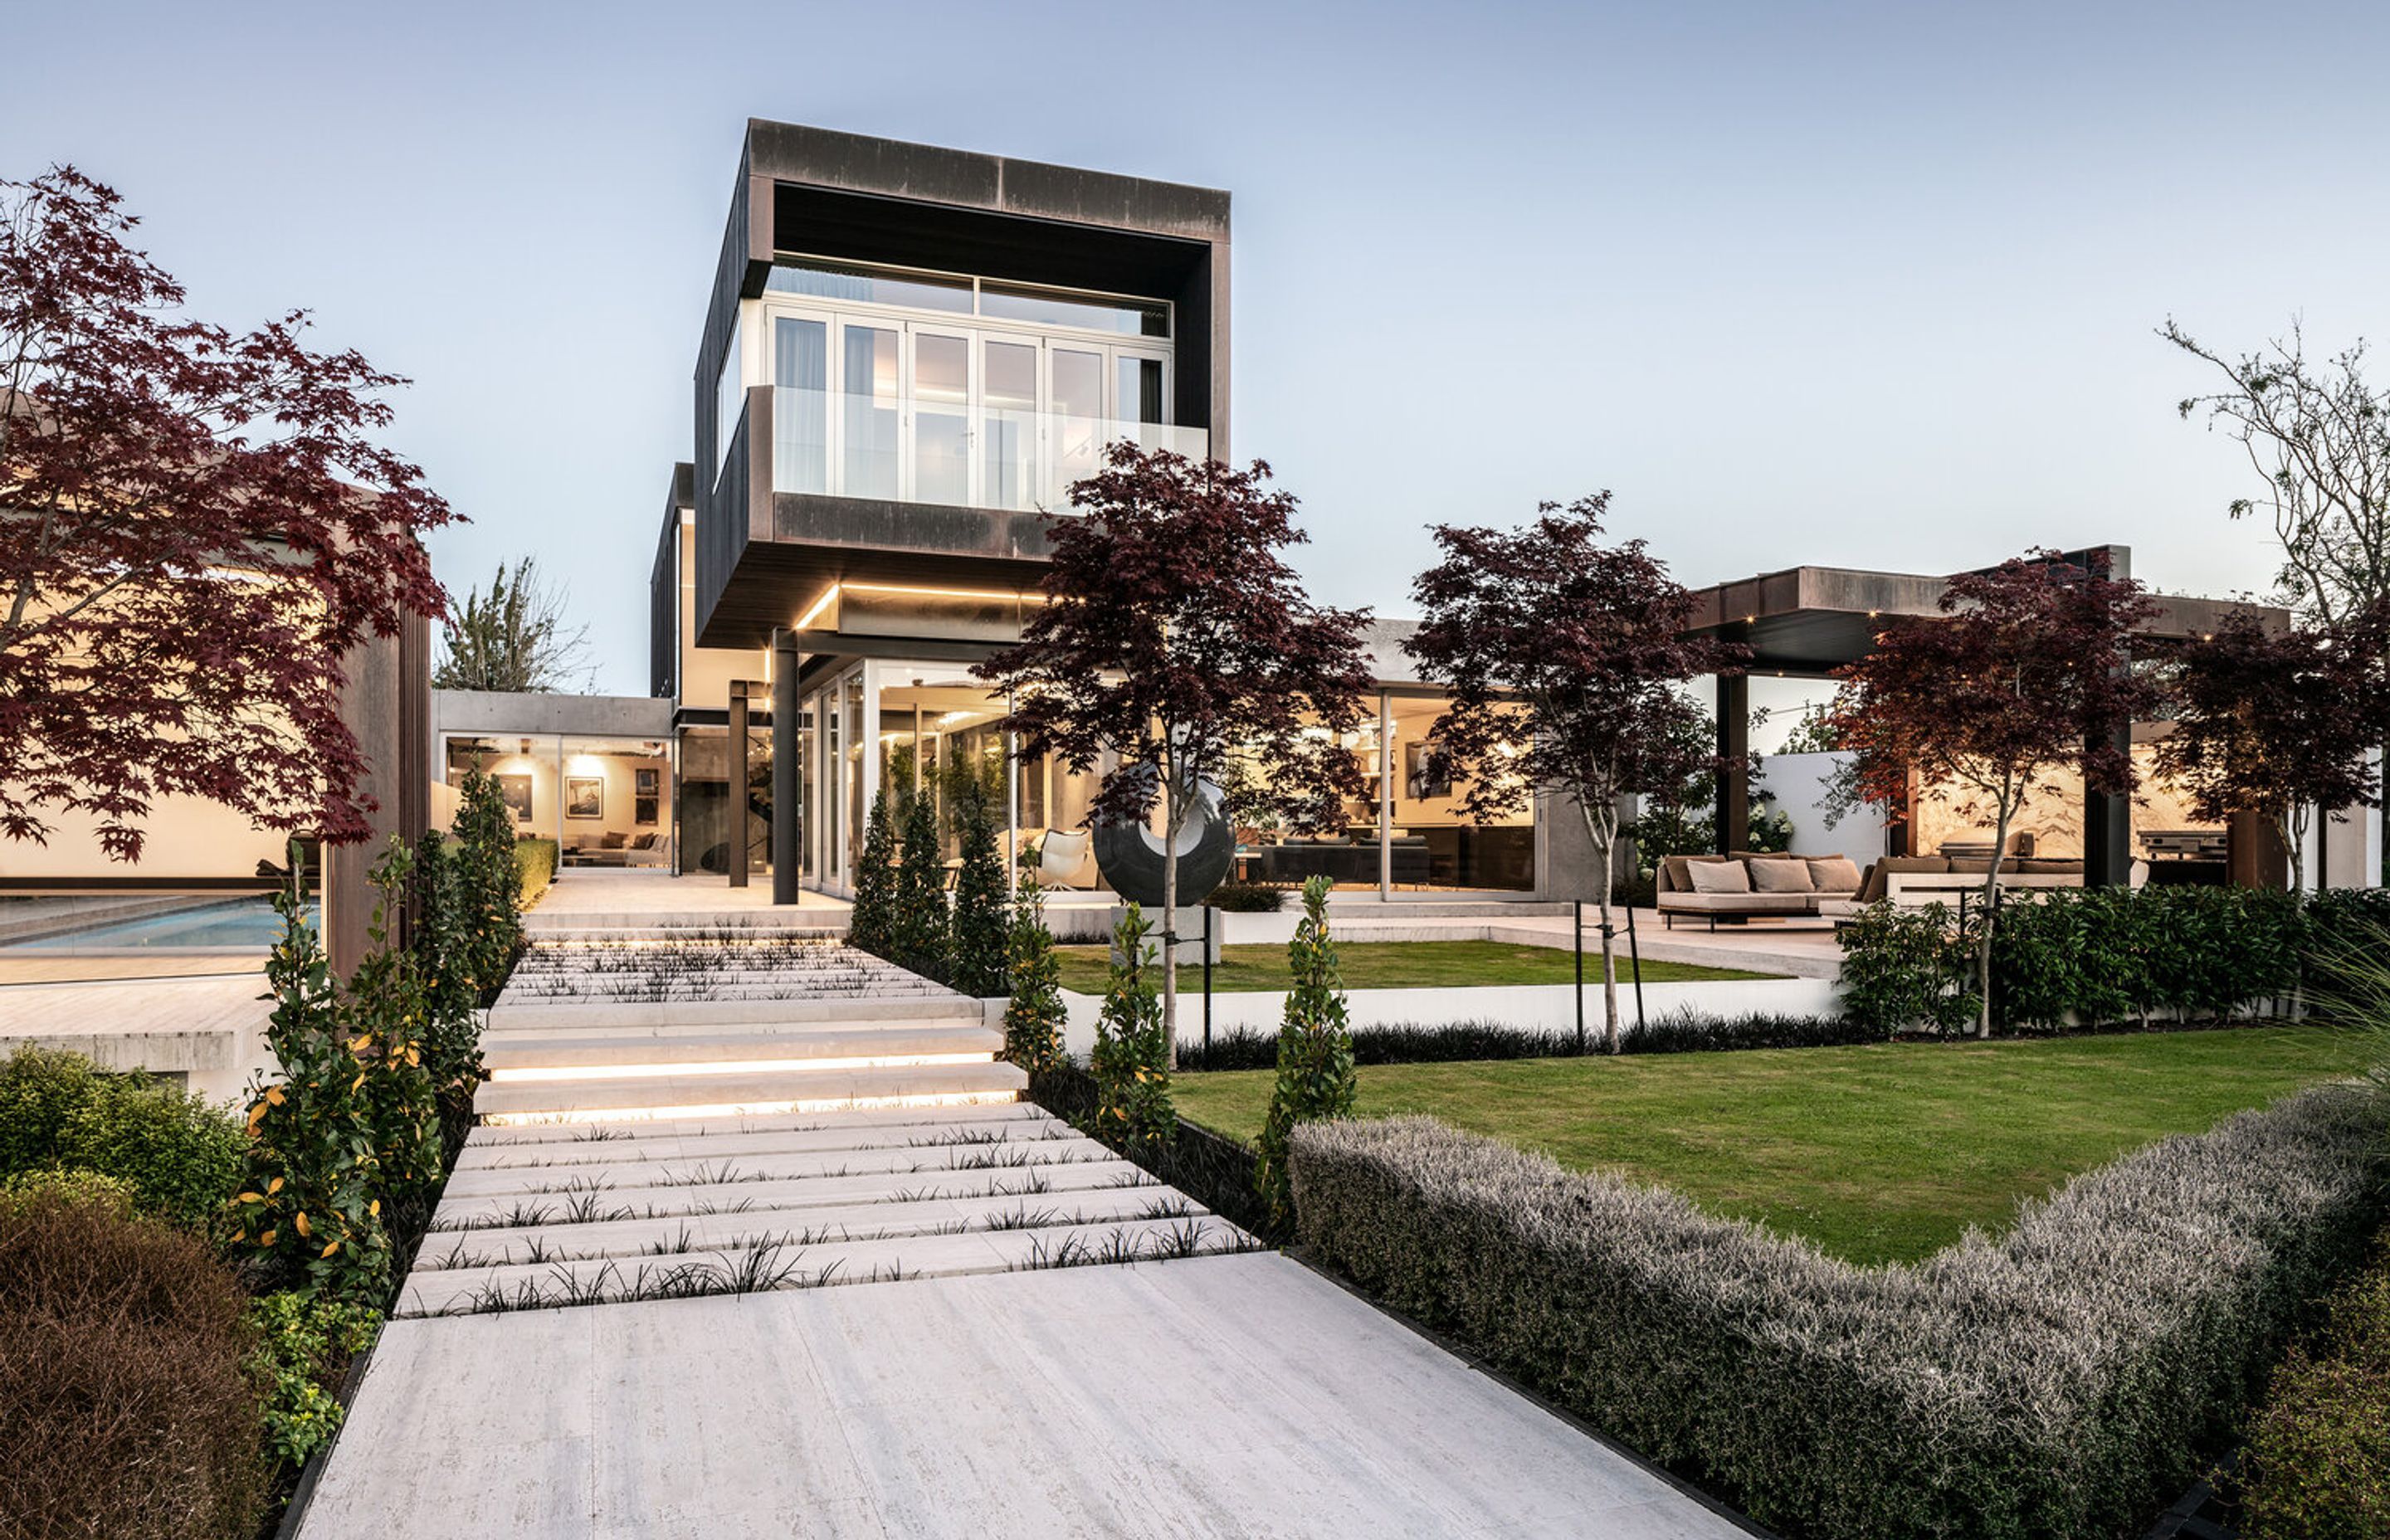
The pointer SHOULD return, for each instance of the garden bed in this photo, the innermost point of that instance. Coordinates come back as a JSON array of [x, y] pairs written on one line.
[[1883, 1152]]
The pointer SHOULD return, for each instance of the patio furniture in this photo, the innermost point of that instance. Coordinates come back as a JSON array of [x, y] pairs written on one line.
[[1751, 885], [1066, 858]]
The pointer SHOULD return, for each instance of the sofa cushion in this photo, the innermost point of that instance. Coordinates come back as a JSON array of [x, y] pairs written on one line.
[[1720, 876], [2050, 866], [644, 841], [1737, 903], [1875, 886], [1780, 877], [1833, 874], [1677, 869]]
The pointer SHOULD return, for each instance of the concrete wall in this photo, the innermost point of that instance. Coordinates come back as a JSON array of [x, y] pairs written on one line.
[[1796, 785], [500, 713]]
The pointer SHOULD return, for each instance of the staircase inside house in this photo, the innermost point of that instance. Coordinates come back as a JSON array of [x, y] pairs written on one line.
[[686, 1110]]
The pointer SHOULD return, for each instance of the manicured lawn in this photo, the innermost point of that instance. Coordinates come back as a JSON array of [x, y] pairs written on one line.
[[1399, 965], [1884, 1152]]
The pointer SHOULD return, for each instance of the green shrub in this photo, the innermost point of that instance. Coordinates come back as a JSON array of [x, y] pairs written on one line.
[[179, 1155], [1035, 1016], [124, 1408], [872, 919], [490, 880], [441, 945], [1131, 1058], [386, 1017], [1249, 898], [2318, 1462], [536, 863], [1458, 1042], [976, 935], [918, 920], [303, 1345], [1315, 1053], [309, 1212], [2057, 1383], [1907, 970]]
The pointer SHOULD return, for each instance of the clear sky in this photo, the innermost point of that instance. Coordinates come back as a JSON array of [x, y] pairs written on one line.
[[1845, 285]]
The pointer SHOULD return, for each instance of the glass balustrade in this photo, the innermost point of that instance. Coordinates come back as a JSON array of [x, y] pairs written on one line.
[[865, 444]]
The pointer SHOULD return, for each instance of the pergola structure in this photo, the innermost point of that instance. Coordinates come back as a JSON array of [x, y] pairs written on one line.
[[1806, 621]]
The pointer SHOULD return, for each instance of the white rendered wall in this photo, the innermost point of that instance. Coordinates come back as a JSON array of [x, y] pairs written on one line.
[[1796, 784]]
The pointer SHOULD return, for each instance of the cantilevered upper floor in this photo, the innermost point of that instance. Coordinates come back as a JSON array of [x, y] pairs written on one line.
[[910, 352]]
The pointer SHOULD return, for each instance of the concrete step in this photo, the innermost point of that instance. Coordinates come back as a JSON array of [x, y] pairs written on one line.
[[730, 1094], [722, 1144], [804, 1226], [459, 1214], [770, 1266], [523, 1056], [930, 1007], [570, 1175], [857, 1124]]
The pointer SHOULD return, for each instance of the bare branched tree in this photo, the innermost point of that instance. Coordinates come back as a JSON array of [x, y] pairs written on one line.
[[2318, 437], [516, 637]]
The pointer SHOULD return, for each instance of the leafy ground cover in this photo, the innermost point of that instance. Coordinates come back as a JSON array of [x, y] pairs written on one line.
[[1399, 965], [1881, 1153]]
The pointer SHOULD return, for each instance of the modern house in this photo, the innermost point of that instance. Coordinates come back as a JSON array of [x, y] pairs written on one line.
[[908, 354]]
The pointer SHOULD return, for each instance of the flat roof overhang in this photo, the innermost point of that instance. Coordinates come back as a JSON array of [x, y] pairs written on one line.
[[1808, 621]]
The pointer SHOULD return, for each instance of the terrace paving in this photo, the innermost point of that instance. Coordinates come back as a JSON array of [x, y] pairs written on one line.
[[715, 1279]]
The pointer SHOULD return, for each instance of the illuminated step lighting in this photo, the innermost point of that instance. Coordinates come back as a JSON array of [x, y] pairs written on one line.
[[735, 1067], [750, 1108]]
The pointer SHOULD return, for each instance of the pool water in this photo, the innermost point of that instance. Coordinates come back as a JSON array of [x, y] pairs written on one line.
[[244, 925]]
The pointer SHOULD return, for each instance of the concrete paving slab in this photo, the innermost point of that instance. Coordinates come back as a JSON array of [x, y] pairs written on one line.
[[1236, 1395]]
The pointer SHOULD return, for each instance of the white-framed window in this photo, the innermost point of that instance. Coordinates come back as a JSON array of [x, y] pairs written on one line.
[[907, 387]]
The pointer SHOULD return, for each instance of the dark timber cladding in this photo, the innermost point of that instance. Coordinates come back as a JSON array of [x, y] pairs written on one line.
[[845, 196], [663, 587], [1808, 621]]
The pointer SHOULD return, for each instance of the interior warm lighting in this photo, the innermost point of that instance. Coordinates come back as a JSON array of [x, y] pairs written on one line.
[[1030, 597], [750, 1108], [735, 1067]]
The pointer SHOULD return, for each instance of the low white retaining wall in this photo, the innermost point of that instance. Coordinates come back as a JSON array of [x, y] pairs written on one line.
[[1528, 1006]]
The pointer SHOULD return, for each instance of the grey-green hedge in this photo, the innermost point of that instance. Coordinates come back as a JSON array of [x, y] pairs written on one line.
[[2059, 1382]]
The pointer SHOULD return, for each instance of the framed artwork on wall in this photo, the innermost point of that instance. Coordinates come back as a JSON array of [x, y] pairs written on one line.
[[584, 796], [646, 794], [515, 790], [1416, 784]]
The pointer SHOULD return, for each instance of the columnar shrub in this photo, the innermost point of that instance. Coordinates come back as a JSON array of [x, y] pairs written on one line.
[[178, 1157], [441, 942], [489, 885], [125, 1408], [310, 1213], [871, 920], [2057, 1383], [1035, 1016], [1131, 1057], [388, 1021], [976, 943], [1314, 1052], [917, 938]]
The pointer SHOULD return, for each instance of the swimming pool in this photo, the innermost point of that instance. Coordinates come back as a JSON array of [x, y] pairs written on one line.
[[236, 925]]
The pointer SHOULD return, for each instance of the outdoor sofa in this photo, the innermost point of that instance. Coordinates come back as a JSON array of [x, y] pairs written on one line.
[[1750, 884]]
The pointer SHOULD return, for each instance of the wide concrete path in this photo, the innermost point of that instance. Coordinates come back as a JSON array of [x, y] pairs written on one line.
[[1238, 1395]]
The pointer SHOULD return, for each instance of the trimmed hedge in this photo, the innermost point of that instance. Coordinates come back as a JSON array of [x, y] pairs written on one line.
[[2051, 1384], [2090, 957], [535, 861], [1454, 1042], [180, 1155], [2318, 1462], [125, 1408]]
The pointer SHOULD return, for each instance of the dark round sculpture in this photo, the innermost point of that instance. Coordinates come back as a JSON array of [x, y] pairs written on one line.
[[1130, 855]]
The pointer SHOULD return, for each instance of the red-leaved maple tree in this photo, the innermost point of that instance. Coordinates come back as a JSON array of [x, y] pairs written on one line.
[[1565, 659], [2026, 673], [195, 528], [1176, 637], [2280, 724]]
